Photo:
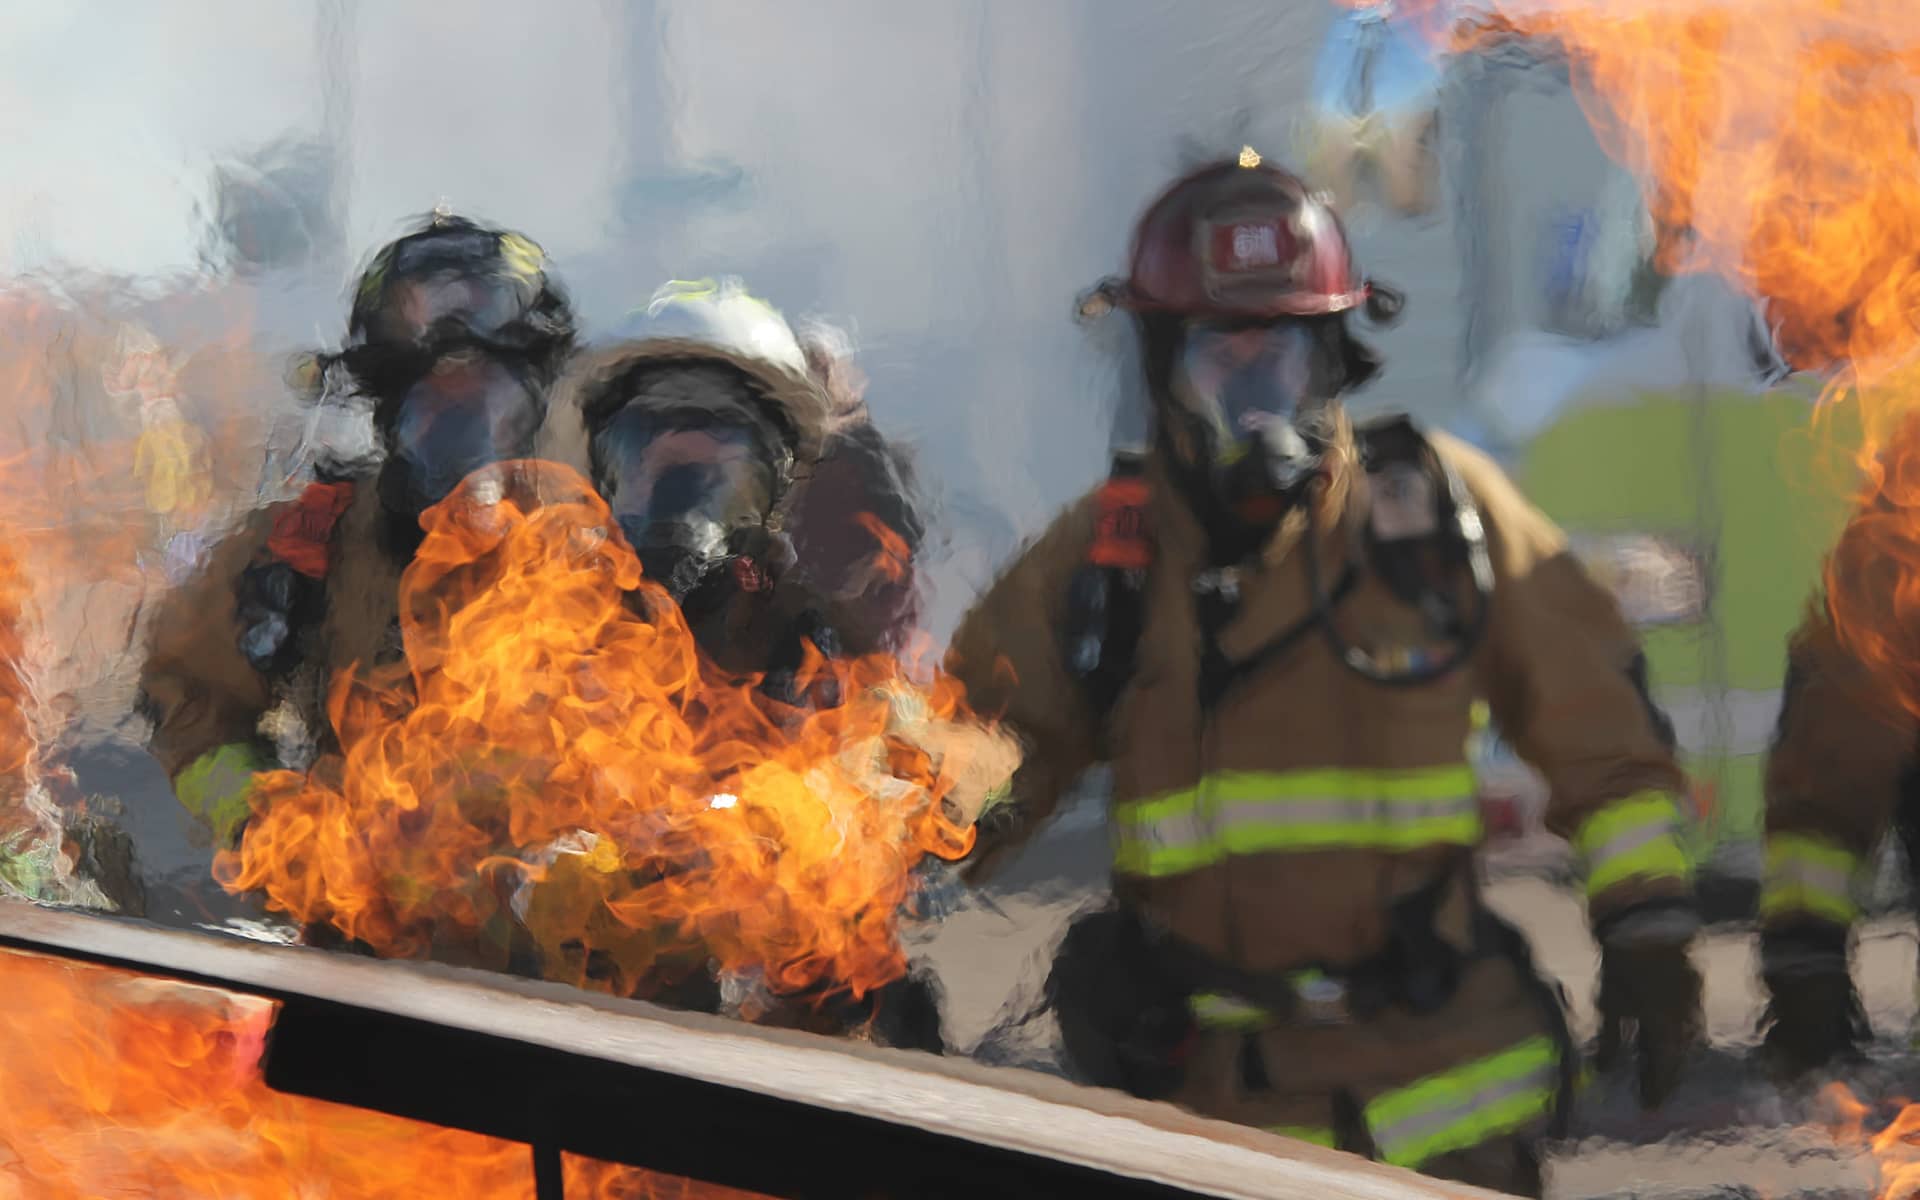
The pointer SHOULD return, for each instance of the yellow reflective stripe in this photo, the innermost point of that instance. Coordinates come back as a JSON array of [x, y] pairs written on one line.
[[1634, 838], [1356, 783], [1133, 857], [1413, 831], [1466, 1105], [1158, 808], [1254, 812], [1315, 1134], [1215, 1011], [1809, 874]]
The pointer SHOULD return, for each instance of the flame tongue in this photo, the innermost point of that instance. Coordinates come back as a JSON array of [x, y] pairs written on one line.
[[1895, 1147], [551, 773], [1777, 140], [122, 1086], [1778, 148]]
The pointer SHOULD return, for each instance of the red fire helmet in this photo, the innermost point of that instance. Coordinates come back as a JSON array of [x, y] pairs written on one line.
[[1238, 239]]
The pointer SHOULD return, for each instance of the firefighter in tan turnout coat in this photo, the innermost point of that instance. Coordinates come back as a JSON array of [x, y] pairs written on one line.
[[1274, 627], [455, 335]]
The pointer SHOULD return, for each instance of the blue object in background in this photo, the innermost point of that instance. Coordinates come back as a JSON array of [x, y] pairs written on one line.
[[1373, 109], [1374, 62]]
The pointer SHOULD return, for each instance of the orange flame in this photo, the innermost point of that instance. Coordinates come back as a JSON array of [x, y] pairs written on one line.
[[101, 462], [18, 747], [1777, 145], [82, 486], [1895, 1148], [550, 766], [119, 1085], [894, 558]]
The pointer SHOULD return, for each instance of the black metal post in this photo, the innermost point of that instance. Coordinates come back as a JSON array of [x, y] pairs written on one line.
[[549, 1181]]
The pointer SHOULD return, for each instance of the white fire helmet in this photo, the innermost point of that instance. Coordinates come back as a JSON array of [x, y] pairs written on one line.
[[720, 313]]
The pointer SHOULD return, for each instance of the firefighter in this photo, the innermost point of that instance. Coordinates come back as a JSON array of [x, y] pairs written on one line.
[[724, 452], [703, 430], [1842, 769], [455, 335], [860, 523], [1274, 627]]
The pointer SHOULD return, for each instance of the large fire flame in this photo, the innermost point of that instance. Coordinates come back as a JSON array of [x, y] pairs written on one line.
[[1777, 145], [18, 746], [1776, 141], [119, 1085], [547, 764], [1895, 1146], [89, 489], [39, 807]]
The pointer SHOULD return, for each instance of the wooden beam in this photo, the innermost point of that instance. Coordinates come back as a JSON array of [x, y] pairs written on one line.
[[1021, 1113]]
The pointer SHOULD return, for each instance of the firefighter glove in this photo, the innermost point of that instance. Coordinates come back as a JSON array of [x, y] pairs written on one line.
[[1650, 1008], [1814, 1018], [1124, 1022]]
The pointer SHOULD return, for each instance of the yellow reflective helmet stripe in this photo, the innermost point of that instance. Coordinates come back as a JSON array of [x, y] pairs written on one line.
[[522, 255]]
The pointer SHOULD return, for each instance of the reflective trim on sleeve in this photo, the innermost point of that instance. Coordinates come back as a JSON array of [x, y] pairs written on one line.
[[1809, 874], [1634, 838]]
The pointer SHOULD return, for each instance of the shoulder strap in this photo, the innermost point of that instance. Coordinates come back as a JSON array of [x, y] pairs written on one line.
[[1424, 531], [280, 590], [302, 534], [1106, 601]]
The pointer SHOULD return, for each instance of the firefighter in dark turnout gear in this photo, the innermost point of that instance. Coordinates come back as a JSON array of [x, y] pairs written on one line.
[[1274, 627], [456, 333], [1843, 772]]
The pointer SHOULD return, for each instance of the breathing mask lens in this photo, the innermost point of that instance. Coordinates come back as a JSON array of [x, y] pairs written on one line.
[[461, 302], [1239, 381], [681, 495], [1246, 389], [462, 417]]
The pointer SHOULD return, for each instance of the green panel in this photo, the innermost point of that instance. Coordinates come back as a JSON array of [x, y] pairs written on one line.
[[1776, 488], [1777, 524], [1643, 467]]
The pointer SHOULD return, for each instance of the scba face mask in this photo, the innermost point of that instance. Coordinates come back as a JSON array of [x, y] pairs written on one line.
[[690, 496], [469, 412], [1253, 396]]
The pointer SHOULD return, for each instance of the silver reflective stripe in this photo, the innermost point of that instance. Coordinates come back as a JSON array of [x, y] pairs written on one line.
[[1178, 829], [1795, 871], [1261, 812], [1427, 1124], [1360, 810], [1189, 828], [1634, 839]]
